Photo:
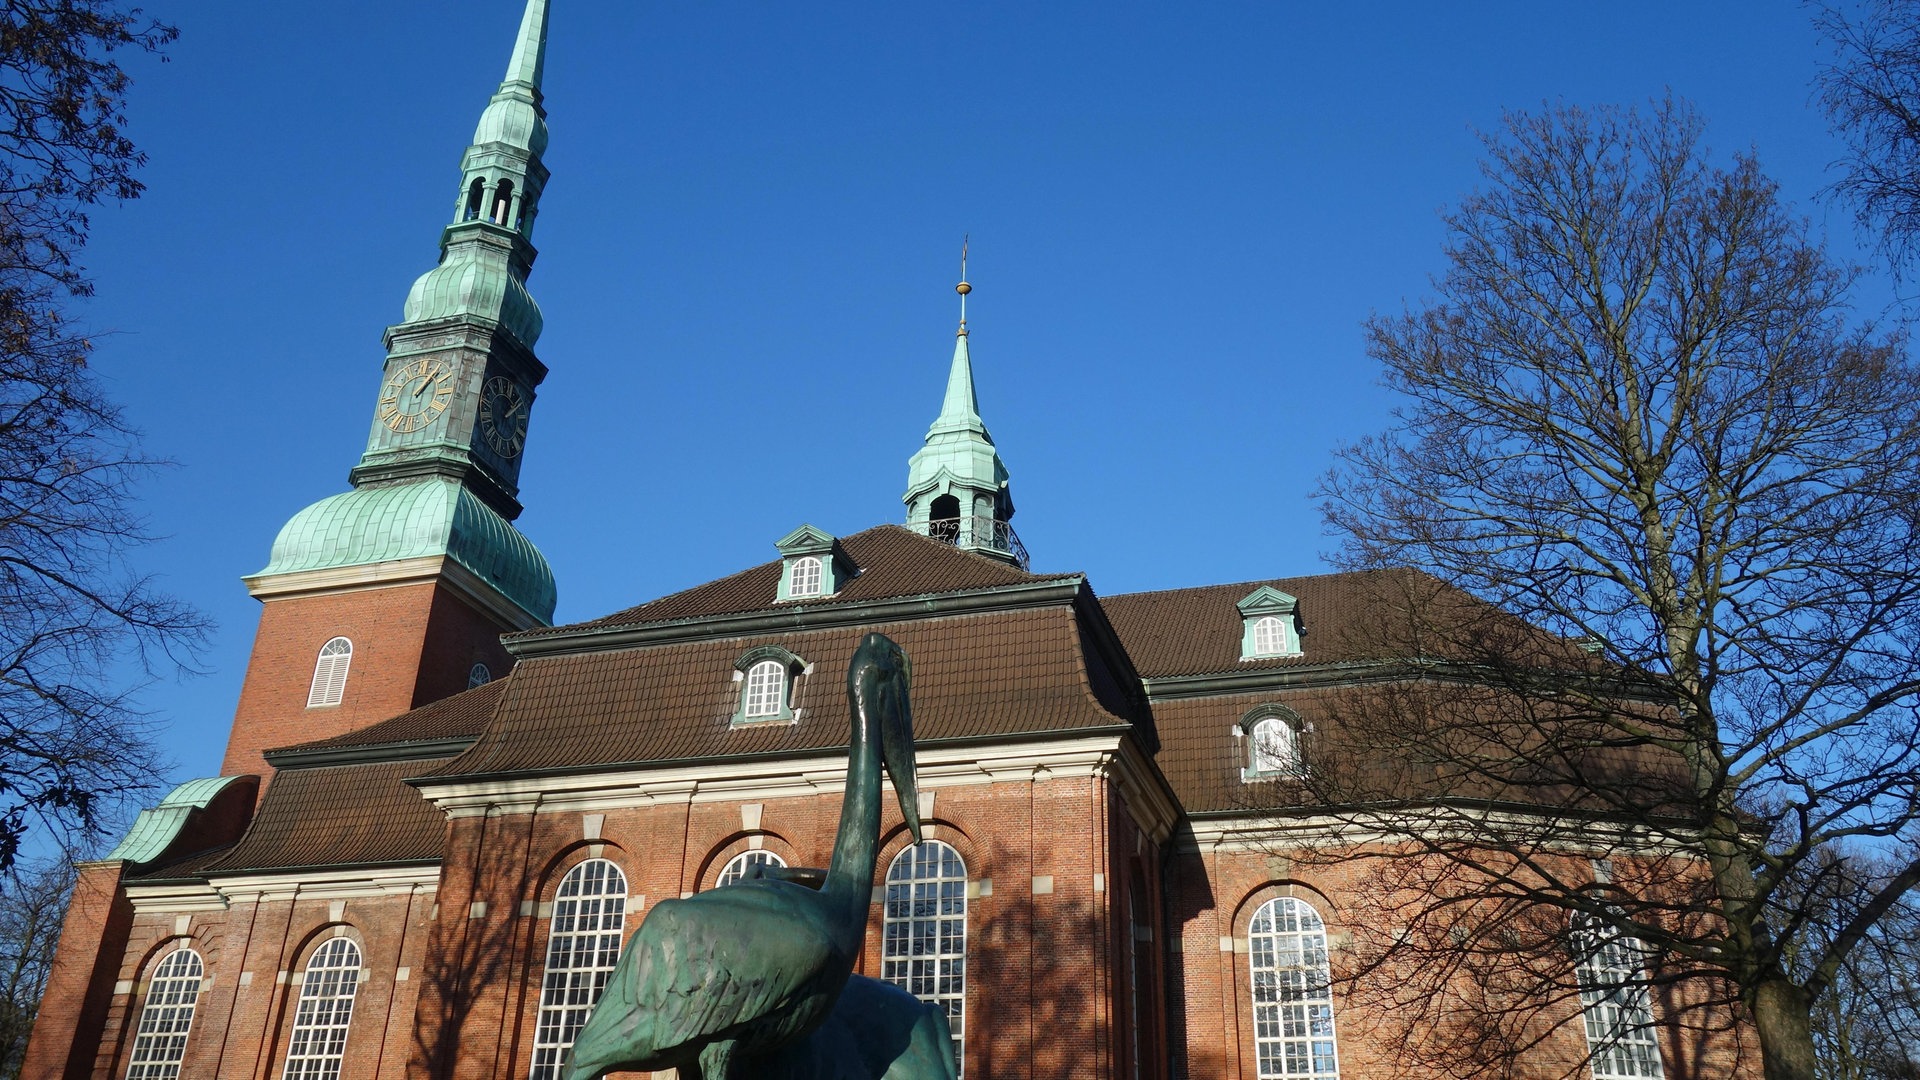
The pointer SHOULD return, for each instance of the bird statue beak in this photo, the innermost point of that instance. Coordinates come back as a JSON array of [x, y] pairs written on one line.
[[896, 737]]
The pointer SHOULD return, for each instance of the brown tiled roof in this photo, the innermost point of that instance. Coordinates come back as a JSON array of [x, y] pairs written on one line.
[[1344, 618], [1359, 755], [347, 815], [893, 562], [461, 716], [189, 867], [999, 674]]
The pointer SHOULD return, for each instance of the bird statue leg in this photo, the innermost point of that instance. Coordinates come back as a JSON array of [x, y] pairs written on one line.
[[716, 1059]]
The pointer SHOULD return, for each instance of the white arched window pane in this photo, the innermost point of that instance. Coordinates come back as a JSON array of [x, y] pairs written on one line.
[[330, 673], [925, 950], [1276, 747], [805, 577], [736, 867], [766, 692], [479, 675], [160, 1042], [1269, 636], [1615, 1004], [326, 1009], [589, 916], [1292, 1005]]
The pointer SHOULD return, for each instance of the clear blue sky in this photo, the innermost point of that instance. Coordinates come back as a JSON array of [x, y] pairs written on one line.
[[1180, 214]]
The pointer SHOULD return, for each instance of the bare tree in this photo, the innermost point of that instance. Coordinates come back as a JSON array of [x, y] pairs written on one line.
[[1867, 1027], [1642, 432], [72, 613], [1871, 93], [33, 901]]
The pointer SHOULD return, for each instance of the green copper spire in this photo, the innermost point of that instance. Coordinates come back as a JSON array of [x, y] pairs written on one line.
[[440, 475], [530, 49], [957, 486], [487, 253]]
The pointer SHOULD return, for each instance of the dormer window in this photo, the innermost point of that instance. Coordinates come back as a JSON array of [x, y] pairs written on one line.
[[812, 565], [1272, 734], [803, 577], [766, 676], [766, 695], [1270, 624]]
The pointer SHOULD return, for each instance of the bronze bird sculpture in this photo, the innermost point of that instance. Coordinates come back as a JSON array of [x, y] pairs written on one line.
[[877, 1031], [713, 982]]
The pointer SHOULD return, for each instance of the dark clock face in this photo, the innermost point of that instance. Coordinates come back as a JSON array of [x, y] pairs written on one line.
[[503, 416], [416, 395]]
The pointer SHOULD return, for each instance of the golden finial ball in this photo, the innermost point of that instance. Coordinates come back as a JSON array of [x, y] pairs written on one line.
[[963, 288]]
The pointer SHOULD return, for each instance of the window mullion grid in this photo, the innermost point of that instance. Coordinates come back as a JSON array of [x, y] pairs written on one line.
[[589, 915]]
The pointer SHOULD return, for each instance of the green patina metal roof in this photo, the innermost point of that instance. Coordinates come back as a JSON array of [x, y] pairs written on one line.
[[474, 281], [484, 264], [958, 452], [157, 827], [512, 116], [425, 517]]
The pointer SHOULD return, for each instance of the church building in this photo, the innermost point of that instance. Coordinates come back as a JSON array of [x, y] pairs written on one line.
[[440, 816]]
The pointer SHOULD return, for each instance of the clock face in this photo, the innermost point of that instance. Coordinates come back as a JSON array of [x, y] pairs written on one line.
[[416, 395], [503, 416]]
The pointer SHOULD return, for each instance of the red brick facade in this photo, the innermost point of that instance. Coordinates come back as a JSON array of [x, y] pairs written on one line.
[[412, 644]]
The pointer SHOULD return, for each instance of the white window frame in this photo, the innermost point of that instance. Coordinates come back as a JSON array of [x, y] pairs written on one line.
[[736, 867], [479, 675], [764, 693], [1273, 747], [806, 577], [924, 932], [160, 1039], [1292, 998], [330, 673], [583, 945], [1270, 637], [1616, 1010], [324, 1014]]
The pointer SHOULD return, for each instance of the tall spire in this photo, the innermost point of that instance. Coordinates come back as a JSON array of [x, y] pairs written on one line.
[[957, 486], [529, 61], [461, 368], [487, 253]]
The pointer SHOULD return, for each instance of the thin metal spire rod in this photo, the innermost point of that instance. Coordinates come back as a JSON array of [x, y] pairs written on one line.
[[963, 288]]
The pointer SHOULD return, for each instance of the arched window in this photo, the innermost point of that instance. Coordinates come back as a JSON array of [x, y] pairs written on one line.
[[1292, 1005], [1273, 747], [736, 867], [330, 673], [503, 203], [766, 690], [476, 196], [326, 1009], [1270, 636], [479, 675], [1615, 1003], [1140, 971], [943, 519], [160, 1042], [925, 950], [589, 916], [804, 579]]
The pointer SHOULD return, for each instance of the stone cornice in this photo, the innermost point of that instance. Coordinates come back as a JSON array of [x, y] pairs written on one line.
[[221, 891], [393, 573], [800, 617], [1103, 752], [1278, 831]]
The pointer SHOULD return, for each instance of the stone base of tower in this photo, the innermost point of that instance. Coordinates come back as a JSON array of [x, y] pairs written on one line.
[[416, 633]]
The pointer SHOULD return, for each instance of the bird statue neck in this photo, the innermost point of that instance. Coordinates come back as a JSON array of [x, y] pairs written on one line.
[[850, 876]]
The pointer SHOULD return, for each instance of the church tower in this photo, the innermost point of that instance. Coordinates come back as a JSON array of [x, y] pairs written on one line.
[[395, 593], [957, 489]]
